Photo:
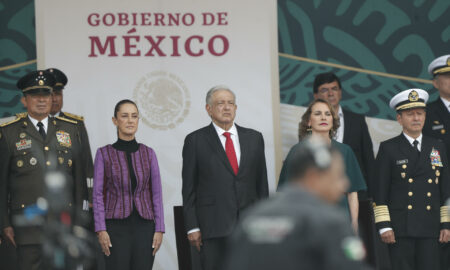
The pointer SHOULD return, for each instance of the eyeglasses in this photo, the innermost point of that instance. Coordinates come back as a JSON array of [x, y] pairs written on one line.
[[327, 90]]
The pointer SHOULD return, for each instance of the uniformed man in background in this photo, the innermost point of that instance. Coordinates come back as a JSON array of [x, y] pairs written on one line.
[[412, 186], [32, 146], [299, 227], [437, 123], [56, 110]]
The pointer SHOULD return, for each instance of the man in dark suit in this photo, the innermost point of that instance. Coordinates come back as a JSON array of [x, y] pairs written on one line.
[[353, 129], [224, 172], [32, 147], [300, 227], [413, 186], [437, 122]]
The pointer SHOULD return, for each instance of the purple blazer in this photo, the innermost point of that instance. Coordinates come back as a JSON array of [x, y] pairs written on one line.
[[112, 198]]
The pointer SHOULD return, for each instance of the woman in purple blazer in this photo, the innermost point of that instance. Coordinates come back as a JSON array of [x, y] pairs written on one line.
[[127, 198]]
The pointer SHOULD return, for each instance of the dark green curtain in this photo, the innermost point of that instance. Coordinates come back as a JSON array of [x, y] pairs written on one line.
[[397, 38], [17, 51]]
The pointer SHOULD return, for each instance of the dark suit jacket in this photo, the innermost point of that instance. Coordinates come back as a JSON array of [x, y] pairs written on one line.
[[24, 161], [412, 189], [437, 123], [356, 135], [213, 195]]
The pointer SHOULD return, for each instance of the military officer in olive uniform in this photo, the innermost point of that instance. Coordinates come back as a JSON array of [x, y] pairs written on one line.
[[31, 146], [57, 104], [437, 123], [412, 186]]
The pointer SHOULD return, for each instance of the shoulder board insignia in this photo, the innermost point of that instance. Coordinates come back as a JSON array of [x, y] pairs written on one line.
[[22, 114], [10, 122], [66, 120], [74, 116]]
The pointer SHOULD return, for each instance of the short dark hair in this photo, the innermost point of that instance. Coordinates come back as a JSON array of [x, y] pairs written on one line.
[[322, 78], [309, 154], [120, 103]]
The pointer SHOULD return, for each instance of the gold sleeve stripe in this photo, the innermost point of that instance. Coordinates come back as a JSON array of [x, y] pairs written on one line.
[[381, 213], [445, 214]]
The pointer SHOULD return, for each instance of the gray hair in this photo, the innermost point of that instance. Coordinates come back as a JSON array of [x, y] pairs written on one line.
[[215, 89]]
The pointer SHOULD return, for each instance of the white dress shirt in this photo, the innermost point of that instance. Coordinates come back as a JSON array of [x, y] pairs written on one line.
[[340, 130], [419, 146], [237, 148], [411, 140], [446, 103], [234, 137], [43, 121]]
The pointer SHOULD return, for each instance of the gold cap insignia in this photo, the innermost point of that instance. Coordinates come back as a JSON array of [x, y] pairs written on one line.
[[413, 96], [41, 82]]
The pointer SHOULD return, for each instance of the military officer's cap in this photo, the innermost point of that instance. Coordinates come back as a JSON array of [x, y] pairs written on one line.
[[60, 77], [440, 65], [39, 81], [409, 99]]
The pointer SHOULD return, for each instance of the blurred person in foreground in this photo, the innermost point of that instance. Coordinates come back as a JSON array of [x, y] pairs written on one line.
[[300, 227]]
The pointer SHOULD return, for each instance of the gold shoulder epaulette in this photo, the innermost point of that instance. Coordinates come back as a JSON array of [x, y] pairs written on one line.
[[10, 122], [22, 114], [65, 119], [74, 116]]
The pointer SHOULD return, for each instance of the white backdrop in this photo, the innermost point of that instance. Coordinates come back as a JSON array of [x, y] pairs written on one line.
[[97, 44]]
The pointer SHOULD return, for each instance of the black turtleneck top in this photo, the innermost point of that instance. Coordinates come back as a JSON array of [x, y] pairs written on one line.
[[128, 147]]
